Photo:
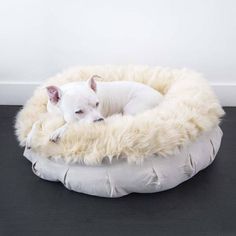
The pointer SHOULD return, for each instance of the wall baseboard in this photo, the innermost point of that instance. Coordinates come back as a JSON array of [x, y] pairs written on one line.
[[226, 92], [16, 93]]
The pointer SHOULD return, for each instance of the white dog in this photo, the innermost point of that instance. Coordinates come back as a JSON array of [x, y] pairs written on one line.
[[93, 101]]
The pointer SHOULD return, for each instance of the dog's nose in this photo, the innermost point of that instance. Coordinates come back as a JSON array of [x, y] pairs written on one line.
[[99, 119]]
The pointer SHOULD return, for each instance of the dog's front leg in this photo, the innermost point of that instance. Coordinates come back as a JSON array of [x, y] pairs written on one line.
[[58, 133]]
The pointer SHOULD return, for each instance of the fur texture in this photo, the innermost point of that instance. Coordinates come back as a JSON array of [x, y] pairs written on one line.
[[189, 108]]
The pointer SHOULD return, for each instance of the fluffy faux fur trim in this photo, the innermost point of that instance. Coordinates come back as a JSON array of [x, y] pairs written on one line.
[[189, 108]]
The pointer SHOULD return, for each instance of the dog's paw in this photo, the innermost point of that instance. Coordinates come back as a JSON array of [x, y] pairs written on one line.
[[55, 136]]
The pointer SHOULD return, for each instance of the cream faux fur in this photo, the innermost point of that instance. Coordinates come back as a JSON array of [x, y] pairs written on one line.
[[189, 108]]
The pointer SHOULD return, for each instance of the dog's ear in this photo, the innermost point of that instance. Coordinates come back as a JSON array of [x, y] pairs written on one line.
[[92, 82], [54, 94]]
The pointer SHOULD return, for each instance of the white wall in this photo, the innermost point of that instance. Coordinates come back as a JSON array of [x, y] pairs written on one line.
[[41, 37]]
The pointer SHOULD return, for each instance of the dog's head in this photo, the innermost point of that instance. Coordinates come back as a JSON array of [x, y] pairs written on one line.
[[77, 101]]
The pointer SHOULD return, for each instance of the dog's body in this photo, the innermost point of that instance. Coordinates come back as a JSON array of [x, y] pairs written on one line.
[[93, 101], [114, 97]]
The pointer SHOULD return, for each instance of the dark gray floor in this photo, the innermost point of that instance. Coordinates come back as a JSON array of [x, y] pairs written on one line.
[[204, 205]]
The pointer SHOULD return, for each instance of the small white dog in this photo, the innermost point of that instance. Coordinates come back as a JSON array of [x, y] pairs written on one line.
[[92, 101]]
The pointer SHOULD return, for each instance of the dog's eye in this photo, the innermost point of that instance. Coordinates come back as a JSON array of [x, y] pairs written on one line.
[[97, 104], [79, 112]]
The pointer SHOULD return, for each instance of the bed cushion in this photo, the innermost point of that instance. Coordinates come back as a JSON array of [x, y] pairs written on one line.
[[119, 178], [189, 109]]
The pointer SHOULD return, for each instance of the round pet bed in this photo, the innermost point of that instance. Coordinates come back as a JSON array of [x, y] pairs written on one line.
[[150, 152]]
